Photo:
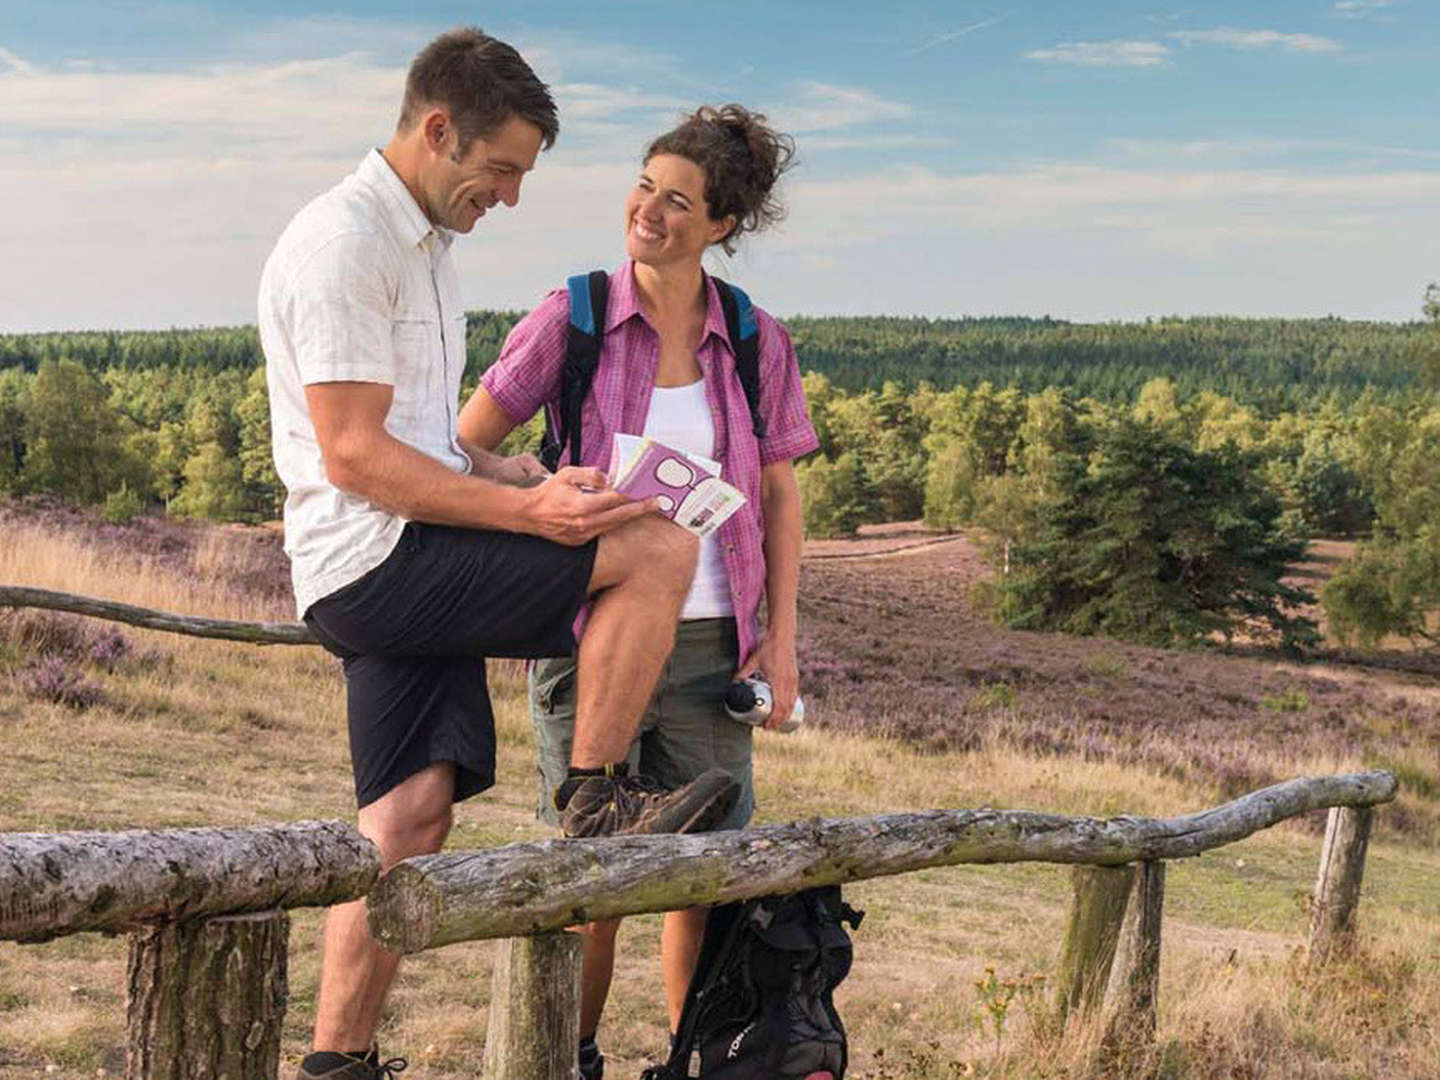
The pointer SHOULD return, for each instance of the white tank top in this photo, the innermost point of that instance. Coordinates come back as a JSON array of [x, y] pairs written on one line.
[[680, 417]]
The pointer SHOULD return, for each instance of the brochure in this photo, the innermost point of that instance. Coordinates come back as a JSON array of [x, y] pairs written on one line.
[[686, 489]]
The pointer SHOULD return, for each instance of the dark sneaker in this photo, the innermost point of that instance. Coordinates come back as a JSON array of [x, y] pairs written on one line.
[[620, 803], [328, 1065], [592, 1068]]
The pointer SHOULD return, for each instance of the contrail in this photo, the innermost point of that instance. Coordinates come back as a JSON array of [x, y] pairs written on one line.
[[952, 35]]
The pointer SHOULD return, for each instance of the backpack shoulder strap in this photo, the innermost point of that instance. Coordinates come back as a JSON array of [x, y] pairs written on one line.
[[745, 342], [589, 295]]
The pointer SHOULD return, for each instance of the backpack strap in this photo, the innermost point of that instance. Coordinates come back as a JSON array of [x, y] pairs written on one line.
[[589, 296], [745, 343]]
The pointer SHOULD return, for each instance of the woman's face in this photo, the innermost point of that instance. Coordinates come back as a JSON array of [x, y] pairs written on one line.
[[667, 220]]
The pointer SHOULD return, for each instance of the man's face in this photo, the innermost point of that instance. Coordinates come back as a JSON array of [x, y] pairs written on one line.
[[458, 190]]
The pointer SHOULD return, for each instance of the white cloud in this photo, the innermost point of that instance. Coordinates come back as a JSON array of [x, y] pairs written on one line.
[[1230, 150], [824, 107], [1257, 39], [898, 141], [230, 109], [1085, 241], [1130, 54], [1359, 9], [13, 62], [152, 199]]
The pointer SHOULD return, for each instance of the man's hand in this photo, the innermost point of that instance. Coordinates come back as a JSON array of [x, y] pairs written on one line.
[[574, 506], [775, 658]]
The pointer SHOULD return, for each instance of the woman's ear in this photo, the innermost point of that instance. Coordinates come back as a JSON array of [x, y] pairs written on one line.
[[720, 228]]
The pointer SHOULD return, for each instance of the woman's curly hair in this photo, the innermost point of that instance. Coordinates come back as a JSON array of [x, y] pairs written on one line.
[[742, 158]]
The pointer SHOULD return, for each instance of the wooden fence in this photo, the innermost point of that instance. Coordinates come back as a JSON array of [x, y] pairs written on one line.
[[205, 909]]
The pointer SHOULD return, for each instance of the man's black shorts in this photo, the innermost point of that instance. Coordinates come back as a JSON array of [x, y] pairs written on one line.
[[413, 634]]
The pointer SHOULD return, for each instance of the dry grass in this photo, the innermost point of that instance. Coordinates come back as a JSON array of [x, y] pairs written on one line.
[[193, 731]]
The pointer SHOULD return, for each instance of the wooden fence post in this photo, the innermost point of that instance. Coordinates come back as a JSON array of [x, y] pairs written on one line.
[[207, 998], [1096, 913], [534, 1009], [1337, 888], [1130, 1000]]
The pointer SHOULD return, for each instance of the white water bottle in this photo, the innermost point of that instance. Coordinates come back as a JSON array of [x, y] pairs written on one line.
[[751, 701]]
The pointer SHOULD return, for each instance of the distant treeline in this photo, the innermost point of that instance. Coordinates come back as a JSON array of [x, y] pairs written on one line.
[[1151, 481], [1272, 364]]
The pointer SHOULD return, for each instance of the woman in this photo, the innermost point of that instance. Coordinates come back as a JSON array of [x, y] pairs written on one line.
[[667, 369]]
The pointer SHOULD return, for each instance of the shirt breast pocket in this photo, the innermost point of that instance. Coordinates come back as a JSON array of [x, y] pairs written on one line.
[[417, 345]]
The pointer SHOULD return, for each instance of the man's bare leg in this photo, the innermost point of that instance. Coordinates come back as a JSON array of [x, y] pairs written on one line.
[[680, 939], [641, 576], [412, 818], [597, 968]]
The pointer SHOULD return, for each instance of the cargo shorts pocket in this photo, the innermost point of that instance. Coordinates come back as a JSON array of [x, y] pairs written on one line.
[[552, 686]]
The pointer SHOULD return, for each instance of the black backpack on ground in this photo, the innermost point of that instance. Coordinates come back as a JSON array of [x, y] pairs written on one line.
[[759, 1006], [589, 295]]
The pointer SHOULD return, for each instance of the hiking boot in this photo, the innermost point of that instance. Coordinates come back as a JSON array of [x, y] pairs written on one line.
[[620, 803], [328, 1065]]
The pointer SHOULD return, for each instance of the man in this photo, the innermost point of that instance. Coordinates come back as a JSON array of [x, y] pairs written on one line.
[[413, 554]]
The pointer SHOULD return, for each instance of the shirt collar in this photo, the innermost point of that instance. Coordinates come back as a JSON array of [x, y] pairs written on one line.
[[624, 304], [403, 212]]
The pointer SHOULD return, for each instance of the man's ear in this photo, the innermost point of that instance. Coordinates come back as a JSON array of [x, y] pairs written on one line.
[[437, 130]]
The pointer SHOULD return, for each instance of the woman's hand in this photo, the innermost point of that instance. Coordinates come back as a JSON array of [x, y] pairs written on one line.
[[774, 657], [522, 470]]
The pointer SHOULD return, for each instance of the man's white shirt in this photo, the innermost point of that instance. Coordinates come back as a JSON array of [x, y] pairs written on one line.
[[360, 288]]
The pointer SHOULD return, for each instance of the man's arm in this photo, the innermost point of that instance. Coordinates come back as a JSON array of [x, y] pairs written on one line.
[[364, 459]]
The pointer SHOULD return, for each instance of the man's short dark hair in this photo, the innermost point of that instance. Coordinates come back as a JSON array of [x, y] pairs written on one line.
[[481, 82]]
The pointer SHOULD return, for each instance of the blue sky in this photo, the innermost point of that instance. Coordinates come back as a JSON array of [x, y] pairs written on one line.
[[1085, 160]]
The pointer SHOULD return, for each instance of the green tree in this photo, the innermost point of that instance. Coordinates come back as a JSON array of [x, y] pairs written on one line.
[[835, 496], [264, 492], [14, 402], [1153, 541], [950, 480], [214, 487], [74, 441], [1385, 588], [1392, 583], [1427, 346]]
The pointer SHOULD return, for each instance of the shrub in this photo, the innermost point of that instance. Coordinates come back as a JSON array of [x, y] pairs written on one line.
[[123, 505], [53, 679]]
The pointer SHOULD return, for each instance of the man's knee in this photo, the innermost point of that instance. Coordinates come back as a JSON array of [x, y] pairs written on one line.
[[658, 550], [413, 818], [399, 837], [668, 552]]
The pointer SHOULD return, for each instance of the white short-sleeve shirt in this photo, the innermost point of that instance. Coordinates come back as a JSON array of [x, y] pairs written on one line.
[[360, 288]]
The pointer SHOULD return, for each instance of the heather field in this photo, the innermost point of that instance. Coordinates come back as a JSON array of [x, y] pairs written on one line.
[[915, 701]]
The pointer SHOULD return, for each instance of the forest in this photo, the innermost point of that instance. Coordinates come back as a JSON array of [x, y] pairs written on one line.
[[1142, 480]]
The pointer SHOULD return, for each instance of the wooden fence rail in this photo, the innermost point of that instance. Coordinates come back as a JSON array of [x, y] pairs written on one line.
[[529, 888], [205, 908], [252, 633]]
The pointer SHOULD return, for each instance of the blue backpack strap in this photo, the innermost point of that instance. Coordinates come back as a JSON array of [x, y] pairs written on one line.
[[589, 296], [745, 344]]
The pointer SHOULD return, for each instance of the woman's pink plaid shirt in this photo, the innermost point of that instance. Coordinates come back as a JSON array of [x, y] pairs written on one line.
[[527, 377]]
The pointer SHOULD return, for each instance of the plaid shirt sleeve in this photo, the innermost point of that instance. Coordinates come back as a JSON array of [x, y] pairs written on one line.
[[788, 431], [527, 373]]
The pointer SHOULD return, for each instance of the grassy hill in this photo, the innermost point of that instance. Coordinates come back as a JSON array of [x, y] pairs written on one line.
[[914, 701]]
